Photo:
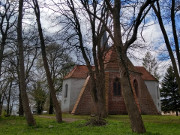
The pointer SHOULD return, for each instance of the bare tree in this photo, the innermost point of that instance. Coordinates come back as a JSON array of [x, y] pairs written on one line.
[[171, 44], [25, 101], [117, 7], [4, 86], [7, 22], [93, 53], [46, 66], [60, 64]]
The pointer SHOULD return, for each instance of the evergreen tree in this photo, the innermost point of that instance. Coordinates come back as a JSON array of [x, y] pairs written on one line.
[[151, 65], [169, 92]]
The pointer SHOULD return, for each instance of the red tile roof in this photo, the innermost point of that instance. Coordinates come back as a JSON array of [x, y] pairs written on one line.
[[111, 62], [145, 74], [79, 71]]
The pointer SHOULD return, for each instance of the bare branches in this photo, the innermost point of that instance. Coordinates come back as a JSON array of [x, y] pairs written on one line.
[[157, 10], [138, 21]]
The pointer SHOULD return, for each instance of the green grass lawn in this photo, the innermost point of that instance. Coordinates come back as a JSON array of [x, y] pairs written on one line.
[[117, 125]]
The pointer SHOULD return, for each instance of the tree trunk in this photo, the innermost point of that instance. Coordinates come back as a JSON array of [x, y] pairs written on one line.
[[137, 124], [98, 95], [25, 101], [9, 100], [1, 105], [46, 66], [50, 105], [136, 121], [101, 104], [2, 53], [21, 111], [176, 113]]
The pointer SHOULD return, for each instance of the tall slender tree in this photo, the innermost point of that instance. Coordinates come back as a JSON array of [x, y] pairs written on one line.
[[7, 22], [45, 63], [117, 10], [164, 12], [25, 101]]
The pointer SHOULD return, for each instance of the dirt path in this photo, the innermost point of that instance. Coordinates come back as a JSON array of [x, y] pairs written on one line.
[[69, 120]]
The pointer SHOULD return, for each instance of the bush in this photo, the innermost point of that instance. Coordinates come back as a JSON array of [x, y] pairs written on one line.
[[96, 121]]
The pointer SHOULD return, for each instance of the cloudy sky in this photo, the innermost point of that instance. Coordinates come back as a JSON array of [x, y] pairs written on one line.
[[153, 39], [152, 35]]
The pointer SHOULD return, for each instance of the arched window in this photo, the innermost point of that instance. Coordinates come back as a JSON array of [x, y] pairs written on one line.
[[66, 91], [135, 85], [116, 87]]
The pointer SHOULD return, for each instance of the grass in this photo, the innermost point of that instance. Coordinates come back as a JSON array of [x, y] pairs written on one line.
[[117, 125]]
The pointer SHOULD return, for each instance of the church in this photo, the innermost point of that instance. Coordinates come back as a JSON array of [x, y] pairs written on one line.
[[76, 95]]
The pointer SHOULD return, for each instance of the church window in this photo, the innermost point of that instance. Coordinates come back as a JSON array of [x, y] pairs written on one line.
[[66, 91], [135, 85], [116, 87]]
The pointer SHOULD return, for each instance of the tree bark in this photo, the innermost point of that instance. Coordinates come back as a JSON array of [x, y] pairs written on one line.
[[98, 95], [9, 100], [1, 101], [21, 111], [50, 105], [176, 113], [132, 109], [101, 104], [4, 37], [137, 124], [1, 104], [46, 66], [25, 101]]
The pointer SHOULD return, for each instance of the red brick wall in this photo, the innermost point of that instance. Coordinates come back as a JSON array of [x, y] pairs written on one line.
[[84, 104], [116, 103], [144, 98]]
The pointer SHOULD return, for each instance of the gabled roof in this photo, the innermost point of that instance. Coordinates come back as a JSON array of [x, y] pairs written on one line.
[[79, 71], [145, 74], [111, 62]]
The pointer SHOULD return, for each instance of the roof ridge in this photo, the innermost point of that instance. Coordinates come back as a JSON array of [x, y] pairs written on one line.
[[71, 72]]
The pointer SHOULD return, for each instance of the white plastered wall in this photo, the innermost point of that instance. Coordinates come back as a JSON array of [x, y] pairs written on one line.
[[74, 88], [153, 87]]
